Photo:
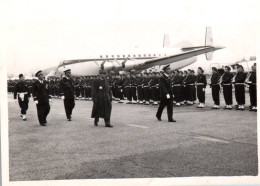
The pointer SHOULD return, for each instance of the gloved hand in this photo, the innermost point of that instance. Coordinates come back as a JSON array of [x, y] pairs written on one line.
[[62, 97], [168, 96], [36, 102]]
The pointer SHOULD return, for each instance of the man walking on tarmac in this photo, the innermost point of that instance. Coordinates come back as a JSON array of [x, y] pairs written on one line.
[[166, 95]]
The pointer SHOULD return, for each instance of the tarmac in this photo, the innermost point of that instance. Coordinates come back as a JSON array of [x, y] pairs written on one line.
[[203, 142]]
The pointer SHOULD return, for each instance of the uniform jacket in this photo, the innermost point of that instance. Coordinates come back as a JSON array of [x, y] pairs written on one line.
[[240, 77], [67, 88], [214, 78], [102, 98], [252, 77], [165, 87], [19, 88], [41, 92], [201, 78], [227, 78]]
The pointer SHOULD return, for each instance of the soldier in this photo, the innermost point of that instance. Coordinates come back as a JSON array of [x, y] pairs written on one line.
[[177, 87], [201, 83], [102, 98], [23, 95], [128, 85], [67, 93], [140, 92], [252, 88], [41, 98], [166, 96], [189, 86], [146, 88], [120, 88], [226, 82], [76, 87], [240, 87], [215, 87], [155, 89], [185, 92]]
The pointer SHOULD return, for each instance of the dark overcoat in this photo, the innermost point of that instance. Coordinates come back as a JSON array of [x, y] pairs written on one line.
[[67, 88], [102, 97]]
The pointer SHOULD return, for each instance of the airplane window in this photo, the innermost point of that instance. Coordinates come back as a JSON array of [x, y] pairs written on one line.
[[100, 56], [123, 55], [154, 55], [134, 55], [159, 54], [149, 55], [106, 56], [139, 55], [144, 55], [112, 56], [118, 55], [128, 55], [165, 54]]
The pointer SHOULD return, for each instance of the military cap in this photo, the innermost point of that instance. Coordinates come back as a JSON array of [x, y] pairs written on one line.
[[240, 66], [68, 70], [200, 68], [20, 75], [38, 73], [214, 68], [165, 67]]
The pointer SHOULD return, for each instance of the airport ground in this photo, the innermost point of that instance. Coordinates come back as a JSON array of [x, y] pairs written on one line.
[[203, 142]]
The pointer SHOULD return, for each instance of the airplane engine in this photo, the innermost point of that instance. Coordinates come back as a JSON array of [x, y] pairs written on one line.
[[131, 65], [111, 66]]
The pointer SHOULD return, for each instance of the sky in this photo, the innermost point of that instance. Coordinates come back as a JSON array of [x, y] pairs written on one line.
[[39, 34]]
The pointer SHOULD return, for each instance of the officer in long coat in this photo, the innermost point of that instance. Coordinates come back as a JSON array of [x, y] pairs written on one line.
[[41, 98], [102, 98], [166, 95], [22, 90], [67, 93]]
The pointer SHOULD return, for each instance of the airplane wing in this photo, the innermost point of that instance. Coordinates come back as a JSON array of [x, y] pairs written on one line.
[[178, 57]]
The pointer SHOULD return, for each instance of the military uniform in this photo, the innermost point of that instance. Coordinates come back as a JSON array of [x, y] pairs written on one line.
[[41, 94], [240, 89], [22, 90], [178, 88], [67, 90], [227, 89], [201, 83], [215, 88], [253, 91], [140, 93], [165, 89]]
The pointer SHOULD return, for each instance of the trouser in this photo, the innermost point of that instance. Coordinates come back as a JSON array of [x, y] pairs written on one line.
[[43, 110], [85, 92], [147, 93], [114, 91], [253, 95], [240, 94], [155, 94], [190, 90], [120, 93], [174, 92], [227, 92], [77, 90], [23, 105], [178, 94], [107, 121], [69, 105], [82, 91], [201, 93], [215, 93], [133, 93], [128, 93], [169, 104], [140, 93], [194, 93], [52, 90], [185, 95]]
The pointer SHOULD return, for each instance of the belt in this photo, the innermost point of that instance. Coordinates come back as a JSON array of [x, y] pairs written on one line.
[[21, 94], [239, 83], [191, 84], [227, 84], [200, 84], [177, 85], [146, 86]]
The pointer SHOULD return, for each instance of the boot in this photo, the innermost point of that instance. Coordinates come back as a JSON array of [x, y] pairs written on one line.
[[107, 123]]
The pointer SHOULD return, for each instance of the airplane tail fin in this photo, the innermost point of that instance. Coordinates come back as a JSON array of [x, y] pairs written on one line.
[[209, 42], [166, 41]]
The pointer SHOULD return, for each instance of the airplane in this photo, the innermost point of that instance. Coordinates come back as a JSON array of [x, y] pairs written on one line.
[[178, 56]]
